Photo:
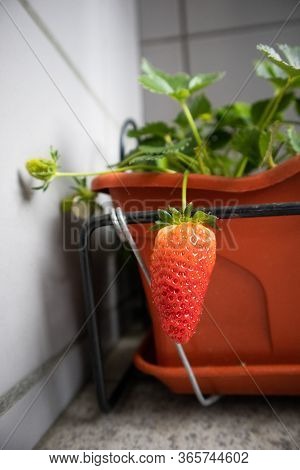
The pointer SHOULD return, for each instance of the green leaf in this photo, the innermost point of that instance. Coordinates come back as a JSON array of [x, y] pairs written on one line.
[[246, 141], [240, 169], [164, 216], [152, 150], [188, 210], [158, 81], [157, 161], [176, 214], [43, 187], [258, 108], [271, 72], [221, 165], [203, 218], [218, 139], [292, 55], [285, 102], [147, 68], [173, 210], [176, 81], [80, 181], [158, 224], [185, 162], [233, 115], [294, 139], [198, 106], [297, 105], [168, 148], [178, 86], [203, 80], [264, 142], [154, 141], [155, 84], [54, 154], [159, 129], [179, 83]]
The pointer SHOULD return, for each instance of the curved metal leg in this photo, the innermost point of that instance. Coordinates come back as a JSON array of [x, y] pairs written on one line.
[[204, 401]]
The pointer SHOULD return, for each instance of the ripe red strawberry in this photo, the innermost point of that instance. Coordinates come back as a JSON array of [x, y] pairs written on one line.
[[182, 262]]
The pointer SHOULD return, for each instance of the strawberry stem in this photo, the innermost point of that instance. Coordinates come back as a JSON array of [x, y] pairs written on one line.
[[173, 216], [184, 188]]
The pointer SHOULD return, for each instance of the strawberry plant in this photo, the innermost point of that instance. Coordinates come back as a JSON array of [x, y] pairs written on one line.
[[233, 140]]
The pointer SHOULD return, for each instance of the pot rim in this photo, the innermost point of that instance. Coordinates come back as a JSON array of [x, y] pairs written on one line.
[[253, 182]]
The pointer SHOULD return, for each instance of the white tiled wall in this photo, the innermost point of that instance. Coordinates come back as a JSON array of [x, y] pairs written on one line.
[[167, 56], [76, 103], [212, 15], [213, 35], [234, 54], [159, 18]]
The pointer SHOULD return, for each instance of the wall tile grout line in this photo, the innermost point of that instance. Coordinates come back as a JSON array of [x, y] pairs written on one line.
[[185, 51], [235, 30], [21, 388]]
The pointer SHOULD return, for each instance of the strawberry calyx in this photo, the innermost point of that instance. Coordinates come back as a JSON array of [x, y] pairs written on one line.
[[173, 216]]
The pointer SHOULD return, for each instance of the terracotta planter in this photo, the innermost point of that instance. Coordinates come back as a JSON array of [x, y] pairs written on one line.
[[252, 305]]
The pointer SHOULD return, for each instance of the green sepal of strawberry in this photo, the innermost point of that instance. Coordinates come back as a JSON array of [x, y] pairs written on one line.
[[173, 216]]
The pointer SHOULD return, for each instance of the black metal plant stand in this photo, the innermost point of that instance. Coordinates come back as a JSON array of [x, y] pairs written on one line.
[[225, 212]]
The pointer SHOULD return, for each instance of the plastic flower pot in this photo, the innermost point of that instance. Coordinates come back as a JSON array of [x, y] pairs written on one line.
[[251, 313]]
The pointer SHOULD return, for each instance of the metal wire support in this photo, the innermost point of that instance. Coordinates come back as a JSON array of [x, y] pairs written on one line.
[[119, 222], [121, 226], [128, 123], [204, 401]]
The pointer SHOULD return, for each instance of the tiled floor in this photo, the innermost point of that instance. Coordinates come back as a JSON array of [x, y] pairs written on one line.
[[148, 416]]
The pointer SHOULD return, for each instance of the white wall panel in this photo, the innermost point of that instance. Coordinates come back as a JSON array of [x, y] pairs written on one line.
[[40, 300]]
